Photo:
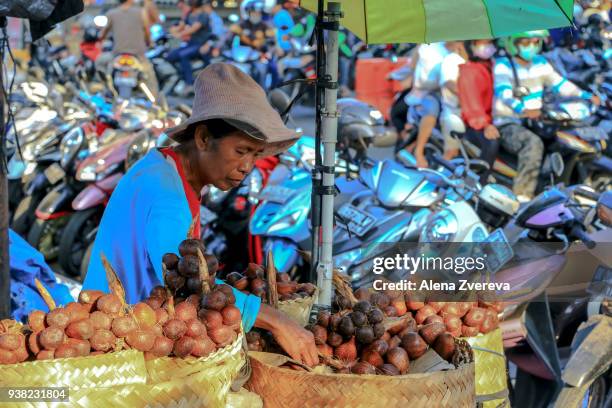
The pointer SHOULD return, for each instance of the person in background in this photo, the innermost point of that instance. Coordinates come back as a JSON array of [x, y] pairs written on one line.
[[185, 9], [217, 26], [475, 91], [195, 32], [254, 32], [211, 49], [129, 26], [156, 201], [450, 117], [423, 98], [525, 69], [151, 11]]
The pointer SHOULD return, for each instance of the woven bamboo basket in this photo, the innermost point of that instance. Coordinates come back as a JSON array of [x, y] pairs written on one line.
[[299, 309], [125, 379], [243, 399], [281, 387], [490, 371]]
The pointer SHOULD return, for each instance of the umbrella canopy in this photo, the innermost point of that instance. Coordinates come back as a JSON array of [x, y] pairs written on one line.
[[425, 21]]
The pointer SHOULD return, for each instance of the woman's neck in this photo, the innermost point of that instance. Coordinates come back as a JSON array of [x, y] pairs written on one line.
[[190, 174]]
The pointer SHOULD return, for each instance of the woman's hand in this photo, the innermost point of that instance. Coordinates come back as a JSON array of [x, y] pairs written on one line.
[[491, 132], [294, 339]]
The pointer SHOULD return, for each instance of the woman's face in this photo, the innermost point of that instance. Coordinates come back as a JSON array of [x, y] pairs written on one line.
[[225, 162]]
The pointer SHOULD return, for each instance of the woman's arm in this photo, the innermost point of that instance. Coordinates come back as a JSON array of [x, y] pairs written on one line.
[[294, 339]]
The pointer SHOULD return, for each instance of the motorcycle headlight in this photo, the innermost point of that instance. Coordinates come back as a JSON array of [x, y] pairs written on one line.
[[138, 148], [87, 173], [96, 171], [441, 228], [70, 146]]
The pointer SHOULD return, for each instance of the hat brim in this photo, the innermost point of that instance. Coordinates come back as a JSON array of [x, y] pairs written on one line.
[[284, 137]]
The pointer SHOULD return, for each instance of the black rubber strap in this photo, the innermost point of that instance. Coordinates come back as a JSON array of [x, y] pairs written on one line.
[[327, 84], [325, 190], [330, 25], [328, 169]]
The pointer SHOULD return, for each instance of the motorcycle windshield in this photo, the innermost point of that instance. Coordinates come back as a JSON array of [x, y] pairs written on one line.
[[397, 186]]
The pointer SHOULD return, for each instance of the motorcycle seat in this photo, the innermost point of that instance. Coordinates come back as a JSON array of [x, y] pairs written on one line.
[[530, 273]]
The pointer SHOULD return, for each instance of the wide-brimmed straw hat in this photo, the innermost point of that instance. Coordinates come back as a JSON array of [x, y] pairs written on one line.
[[223, 91]]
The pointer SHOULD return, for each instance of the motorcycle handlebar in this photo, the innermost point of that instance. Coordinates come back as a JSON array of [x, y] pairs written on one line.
[[591, 195], [579, 233], [444, 163]]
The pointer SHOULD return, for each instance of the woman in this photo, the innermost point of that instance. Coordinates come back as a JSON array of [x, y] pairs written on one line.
[[153, 206], [475, 89]]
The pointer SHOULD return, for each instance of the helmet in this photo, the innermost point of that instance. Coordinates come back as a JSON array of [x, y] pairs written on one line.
[[496, 204], [90, 34], [511, 47], [254, 5], [359, 125]]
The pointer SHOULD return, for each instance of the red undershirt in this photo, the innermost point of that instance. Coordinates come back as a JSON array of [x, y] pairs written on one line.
[[193, 200]]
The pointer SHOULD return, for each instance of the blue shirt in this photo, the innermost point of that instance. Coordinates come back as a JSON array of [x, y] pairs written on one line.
[[147, 216]]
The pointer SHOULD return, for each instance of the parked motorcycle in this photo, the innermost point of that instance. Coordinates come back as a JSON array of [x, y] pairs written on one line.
[[128, 76], [55, 209], [58, 152], [549, 300]]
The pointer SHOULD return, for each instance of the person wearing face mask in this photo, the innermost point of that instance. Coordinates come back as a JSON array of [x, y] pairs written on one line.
[[156, 201], [475, 91], [254, 32], [520, 80]]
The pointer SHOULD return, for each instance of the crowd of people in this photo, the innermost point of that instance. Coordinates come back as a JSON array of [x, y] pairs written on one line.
[[483, 90], [470, 88]]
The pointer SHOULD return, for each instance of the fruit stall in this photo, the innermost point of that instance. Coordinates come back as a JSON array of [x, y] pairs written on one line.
[[184, 345]]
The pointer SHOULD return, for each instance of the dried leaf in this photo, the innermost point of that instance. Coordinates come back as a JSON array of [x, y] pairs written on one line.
[[192, 227], [170, 302], [271, 278], [342, 286], [44, 293], [114, 283], [204, 274]]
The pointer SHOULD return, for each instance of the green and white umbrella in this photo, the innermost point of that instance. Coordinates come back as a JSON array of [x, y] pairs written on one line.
[[425, 21]]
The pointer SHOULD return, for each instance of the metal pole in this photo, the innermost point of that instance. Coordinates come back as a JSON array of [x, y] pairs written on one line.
[[5, 272], [329, 136], [315, 202]]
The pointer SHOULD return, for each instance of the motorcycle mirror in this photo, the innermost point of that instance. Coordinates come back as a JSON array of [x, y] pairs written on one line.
[[557, 164], [279, 100], [387, 138]]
